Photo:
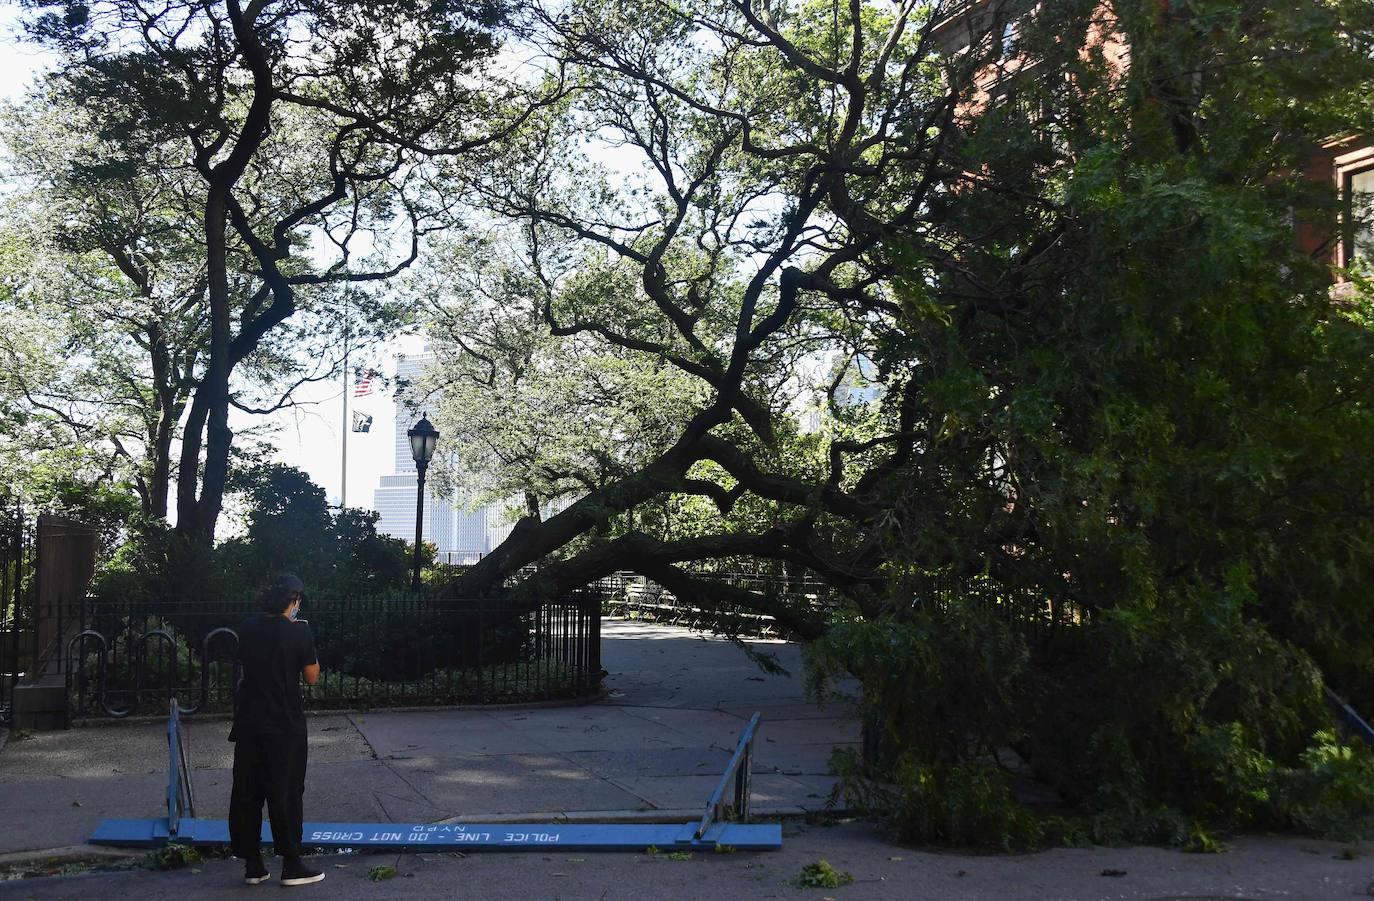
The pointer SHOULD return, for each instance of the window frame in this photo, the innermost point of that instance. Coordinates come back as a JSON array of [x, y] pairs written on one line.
[[1348, 232], [1345, 167]]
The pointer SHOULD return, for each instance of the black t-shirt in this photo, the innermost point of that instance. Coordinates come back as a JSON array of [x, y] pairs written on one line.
[[272, 651]]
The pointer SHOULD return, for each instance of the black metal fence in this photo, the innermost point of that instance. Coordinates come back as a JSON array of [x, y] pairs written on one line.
[[373, 653], [1029, 610], [631, 595], [16, 614]]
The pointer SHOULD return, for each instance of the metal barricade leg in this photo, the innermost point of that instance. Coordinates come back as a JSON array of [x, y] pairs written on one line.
[[740, 766], [743, 776]]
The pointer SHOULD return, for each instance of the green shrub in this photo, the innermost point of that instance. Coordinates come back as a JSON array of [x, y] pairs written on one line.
[[966, 803], [172, 857], [942, 690], [1332, 793], [822, 875], [1171, 719]]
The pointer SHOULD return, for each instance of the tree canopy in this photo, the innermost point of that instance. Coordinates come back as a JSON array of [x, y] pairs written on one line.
[[296, 135], [1122, 413]]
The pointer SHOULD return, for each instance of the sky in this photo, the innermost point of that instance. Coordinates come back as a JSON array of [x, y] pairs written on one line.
[[308, 435]]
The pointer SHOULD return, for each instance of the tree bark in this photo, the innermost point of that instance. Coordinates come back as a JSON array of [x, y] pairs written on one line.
[[198, 511]]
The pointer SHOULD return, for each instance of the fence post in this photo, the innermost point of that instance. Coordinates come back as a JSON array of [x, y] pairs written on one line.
[[37, 594], [11, 601], [594, 643]]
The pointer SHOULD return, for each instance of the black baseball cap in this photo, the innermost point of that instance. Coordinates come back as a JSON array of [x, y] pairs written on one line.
[[281, 588], [288, 584]]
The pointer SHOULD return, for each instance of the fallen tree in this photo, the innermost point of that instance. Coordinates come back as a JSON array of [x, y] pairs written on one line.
[[1107, 509]]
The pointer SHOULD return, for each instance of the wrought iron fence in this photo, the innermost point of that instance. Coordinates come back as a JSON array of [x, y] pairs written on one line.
[[134, 658], [1036, 614], [629, 594], [1027, 606], [16, 614]]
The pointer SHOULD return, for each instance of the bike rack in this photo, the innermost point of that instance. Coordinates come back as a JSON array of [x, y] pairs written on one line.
[[76, 650], [205, 659]]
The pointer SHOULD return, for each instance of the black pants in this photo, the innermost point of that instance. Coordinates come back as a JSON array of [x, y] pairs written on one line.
[[267, 768]]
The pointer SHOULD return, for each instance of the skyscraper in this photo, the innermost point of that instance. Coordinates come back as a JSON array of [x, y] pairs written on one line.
[[394, 498], [461, 535]]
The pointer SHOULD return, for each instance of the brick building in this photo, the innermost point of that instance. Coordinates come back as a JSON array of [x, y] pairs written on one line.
[[990, 28]]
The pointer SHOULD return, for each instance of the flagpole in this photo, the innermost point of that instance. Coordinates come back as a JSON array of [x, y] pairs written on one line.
[[343, 482]]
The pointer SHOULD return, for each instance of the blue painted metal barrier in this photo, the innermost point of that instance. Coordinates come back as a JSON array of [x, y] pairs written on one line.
[[465, 837], [181, 825], [181, 798]]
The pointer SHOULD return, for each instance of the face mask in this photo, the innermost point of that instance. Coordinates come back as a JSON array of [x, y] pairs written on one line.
[[295, 610]]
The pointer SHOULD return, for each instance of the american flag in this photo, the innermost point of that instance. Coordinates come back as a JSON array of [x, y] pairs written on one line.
[[364, 386]]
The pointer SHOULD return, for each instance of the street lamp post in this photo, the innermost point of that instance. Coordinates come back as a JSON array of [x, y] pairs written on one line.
[[423, 439]]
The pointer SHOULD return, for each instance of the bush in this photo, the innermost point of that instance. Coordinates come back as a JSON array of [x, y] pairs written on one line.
[[1168, 721], [822, 875], [496, 684], [1332, 793], [406, 638], [948, 804]]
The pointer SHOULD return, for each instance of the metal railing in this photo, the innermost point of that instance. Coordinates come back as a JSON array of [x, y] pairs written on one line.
[[1033, 612], [381, 652], [629, 594]]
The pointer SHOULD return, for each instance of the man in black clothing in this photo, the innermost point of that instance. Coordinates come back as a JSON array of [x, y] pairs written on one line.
[[275, 651]]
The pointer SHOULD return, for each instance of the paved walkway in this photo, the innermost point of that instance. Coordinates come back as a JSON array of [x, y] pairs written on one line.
[[654, 746]]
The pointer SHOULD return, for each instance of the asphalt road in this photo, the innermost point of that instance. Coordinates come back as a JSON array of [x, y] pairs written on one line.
[[1256, 867]]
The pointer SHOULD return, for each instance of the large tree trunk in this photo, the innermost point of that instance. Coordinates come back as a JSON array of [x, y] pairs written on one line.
[[166, 412], [161, 468], [188, 466], [533, 539], [198, 510]]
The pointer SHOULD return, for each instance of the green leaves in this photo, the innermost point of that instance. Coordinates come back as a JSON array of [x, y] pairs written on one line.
[[822, 874]]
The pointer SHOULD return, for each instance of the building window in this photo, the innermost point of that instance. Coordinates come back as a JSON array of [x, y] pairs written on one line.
[[1007, 42], [1358, 193]]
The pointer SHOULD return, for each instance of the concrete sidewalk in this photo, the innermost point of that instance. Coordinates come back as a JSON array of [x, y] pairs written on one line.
[[653, 747]]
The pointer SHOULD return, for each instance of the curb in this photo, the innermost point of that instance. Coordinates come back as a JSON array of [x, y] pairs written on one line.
[[69, 853]]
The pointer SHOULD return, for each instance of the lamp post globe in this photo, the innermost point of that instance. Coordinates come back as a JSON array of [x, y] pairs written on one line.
[[424, 438]]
